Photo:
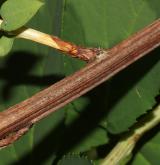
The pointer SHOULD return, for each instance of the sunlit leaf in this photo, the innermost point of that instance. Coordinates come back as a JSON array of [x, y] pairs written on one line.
[[16, 13]]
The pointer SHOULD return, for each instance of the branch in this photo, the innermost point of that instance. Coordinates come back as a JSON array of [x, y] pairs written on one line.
[[126, 145], [106, 64], [72, 50]]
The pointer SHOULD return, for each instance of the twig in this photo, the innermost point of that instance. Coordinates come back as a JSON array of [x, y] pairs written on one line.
[[126, 145], [72, 50], [107, 64]]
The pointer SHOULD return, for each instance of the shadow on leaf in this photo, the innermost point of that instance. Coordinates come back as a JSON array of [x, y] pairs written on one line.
[[17, 71]]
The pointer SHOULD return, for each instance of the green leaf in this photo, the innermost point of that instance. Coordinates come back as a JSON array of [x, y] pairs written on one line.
[[149, 154], [29, 68], [139, 98], [17, 13], [140, 159], [74, 160], [5, 45], [88, 135], [104, 24], [138, 85], [114, 106]]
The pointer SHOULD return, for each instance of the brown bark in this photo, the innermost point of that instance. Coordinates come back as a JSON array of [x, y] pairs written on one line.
[[106, 64]]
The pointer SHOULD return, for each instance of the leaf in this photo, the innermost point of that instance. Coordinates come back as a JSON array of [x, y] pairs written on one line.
[[72, 160], [141, 160], [17, 13], [150, 152], [139, 98], [29, 68], [5, 45], [114, 106], [86, 135], [137, 95], [105, 23]]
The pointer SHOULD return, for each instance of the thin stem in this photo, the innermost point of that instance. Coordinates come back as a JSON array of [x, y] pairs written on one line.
[[106, 65], [126, 145], [73, 50]]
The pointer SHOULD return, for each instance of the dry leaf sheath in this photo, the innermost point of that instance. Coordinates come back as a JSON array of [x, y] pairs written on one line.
[[70, 49]]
